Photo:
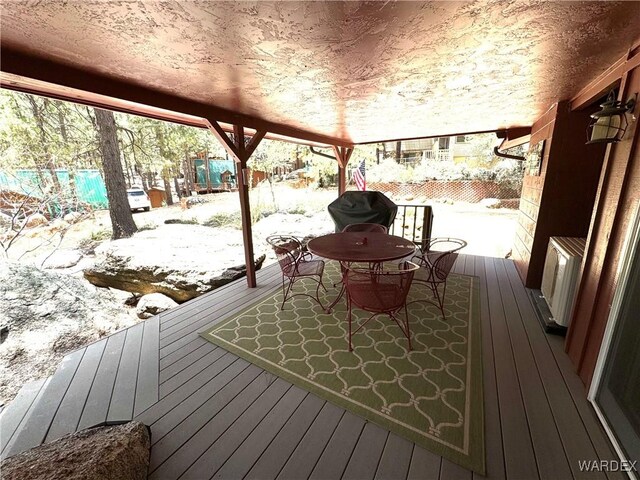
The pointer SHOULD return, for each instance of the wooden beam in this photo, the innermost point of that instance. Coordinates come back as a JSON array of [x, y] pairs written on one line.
[[223, 138], [342, 180], [507, 144], [604, 82], [241, 154], [26, 72], [254, 142], [342, 154]]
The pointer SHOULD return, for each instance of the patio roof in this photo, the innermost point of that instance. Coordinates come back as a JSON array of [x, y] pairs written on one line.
[[327, 72]]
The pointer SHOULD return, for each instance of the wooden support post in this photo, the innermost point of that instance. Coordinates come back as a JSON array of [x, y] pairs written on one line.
[[342, 180], [342, 154], [207, 171], [241, 153]]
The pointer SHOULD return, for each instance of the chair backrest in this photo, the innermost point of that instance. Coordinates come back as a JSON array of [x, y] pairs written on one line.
[[365, 227], [379, 289], [441, 256], [288, 250]]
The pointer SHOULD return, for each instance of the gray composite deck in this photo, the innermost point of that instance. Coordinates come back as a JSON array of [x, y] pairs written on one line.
[[215, 415]]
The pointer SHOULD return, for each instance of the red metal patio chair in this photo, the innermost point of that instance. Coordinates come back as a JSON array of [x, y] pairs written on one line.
[[379, 291], [296, 264], [365, 227], [437, 259]]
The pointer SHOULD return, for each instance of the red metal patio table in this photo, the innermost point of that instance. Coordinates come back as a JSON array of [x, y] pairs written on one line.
[[372, 247]]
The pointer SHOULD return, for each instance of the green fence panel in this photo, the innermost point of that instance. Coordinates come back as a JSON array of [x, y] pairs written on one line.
[[90, 188], [216, 169]]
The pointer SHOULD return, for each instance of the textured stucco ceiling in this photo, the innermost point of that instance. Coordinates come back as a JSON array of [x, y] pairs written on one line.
[[356, 71]]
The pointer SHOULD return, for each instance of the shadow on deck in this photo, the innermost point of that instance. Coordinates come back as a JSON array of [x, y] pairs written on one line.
[[213, 414]]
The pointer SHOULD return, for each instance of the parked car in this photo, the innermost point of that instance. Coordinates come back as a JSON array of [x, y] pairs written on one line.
[[138, 199]]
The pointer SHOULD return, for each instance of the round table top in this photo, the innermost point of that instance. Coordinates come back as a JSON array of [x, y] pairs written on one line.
[[361, 247]]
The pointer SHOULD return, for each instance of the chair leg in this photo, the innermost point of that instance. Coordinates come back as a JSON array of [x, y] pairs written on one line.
[[322, 284], [440, 298], [406, 316], [349, 318], [284, 299], [317, 299]]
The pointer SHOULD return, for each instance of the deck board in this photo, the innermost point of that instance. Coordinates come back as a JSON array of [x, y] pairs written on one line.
[[542, 426], [277, 396], [13, 415], [97, 404], [189, 372], [283, 444], [424, 464], [68, 415], [217, 415], [395, 459], [124, 388], [148, 367], [307, 453], [365, 457], [253, 445], [520, 461], [338, 450], [573, 432], [41, 414], [494, 455], [168, 370], [199, 433]]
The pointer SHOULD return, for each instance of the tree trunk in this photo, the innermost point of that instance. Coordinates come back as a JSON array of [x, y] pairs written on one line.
[[177, 187], [38, 114], [167, 187], [150, 178], [121, 219]]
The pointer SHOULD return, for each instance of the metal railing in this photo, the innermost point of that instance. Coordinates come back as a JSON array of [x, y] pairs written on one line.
[[413, 222], [438, 155]]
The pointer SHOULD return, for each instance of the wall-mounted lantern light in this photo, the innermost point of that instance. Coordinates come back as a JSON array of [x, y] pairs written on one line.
[[610, 123]]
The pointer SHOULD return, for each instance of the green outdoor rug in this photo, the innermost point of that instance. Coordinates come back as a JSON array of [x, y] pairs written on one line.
[[431, 395]]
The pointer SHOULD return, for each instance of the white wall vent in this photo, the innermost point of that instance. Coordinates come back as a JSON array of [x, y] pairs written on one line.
[[560, 277]]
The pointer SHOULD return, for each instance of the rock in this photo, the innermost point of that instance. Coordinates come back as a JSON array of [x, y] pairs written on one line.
[[179, 261], [59, 225], [152, 304], [63, 259], [38, 298], [115, 453], [490, 202], [36, 220], [73, 217], [47, 314]]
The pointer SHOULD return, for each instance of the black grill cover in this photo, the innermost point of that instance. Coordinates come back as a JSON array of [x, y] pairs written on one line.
[[362, 207]]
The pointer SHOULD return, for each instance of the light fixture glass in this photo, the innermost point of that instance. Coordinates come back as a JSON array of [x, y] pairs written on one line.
[[610, 123]]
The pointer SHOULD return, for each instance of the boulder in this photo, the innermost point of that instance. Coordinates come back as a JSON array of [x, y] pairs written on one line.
[[152, 304], [490, 202], [73, 217], [47, 315], [179, 261], [36, 220], [115, 453]]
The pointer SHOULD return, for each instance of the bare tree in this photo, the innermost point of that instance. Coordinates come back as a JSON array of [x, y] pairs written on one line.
[[122, 222]]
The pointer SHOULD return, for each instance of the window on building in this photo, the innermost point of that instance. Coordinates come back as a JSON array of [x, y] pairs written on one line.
[[443, 143]]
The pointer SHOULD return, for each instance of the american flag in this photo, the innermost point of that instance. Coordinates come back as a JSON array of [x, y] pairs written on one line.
[[359, 176]]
